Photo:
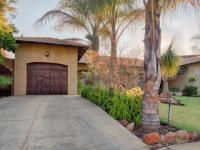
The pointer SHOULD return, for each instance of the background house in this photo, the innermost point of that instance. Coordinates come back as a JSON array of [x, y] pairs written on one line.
[[130, 70], [190, 67]]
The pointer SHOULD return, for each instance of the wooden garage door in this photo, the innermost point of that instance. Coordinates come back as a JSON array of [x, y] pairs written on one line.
[[46, 78]]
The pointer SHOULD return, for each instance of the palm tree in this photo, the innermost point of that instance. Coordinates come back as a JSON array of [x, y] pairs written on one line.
[[152, 71], [78, 14], [170, 62], [116, 17], [105, 18]]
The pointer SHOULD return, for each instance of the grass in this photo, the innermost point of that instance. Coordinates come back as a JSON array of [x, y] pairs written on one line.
[[184, 117]]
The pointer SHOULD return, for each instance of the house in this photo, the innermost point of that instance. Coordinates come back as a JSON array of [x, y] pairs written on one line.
[[132, 69], [189, 67], [46, 66]]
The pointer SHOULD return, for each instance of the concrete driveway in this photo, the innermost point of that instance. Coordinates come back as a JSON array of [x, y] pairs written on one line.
[[60, 123]]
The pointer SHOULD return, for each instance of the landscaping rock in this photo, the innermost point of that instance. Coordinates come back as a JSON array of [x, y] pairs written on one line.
[[152, 138], [182, 137], [169, 138], [193, 136], [124, 122], [130, 126]]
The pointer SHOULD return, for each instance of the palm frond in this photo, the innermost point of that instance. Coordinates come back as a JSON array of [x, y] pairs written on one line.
[[170, 62]]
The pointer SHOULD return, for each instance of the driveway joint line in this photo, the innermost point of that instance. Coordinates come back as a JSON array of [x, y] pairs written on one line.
[[29, 131], [15, 120]]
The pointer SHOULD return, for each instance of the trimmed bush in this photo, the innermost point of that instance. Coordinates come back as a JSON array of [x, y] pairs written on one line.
[[175, 89], [190, 91], [119, 106], [5, 82]]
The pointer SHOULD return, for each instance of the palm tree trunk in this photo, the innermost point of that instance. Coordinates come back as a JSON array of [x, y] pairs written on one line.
[[165, 86], [113, 68], [152, 73]]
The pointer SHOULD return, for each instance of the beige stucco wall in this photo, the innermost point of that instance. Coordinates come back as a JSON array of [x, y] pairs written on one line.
[[182, 79], [28, 53]]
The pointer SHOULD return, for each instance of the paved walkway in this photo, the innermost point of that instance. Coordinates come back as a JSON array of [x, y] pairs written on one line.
[[187, 146], [60, 123]]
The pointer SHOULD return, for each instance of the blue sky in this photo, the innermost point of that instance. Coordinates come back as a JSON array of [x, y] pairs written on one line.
[[182, 27]]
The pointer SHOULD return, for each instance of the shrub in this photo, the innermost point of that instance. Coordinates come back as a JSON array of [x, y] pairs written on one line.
[[137, 91], [119, 106], [5, 82], [192, 80], [80, 87], [175, 89], [190, 91]]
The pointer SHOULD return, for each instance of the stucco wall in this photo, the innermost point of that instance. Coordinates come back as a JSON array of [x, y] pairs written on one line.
[[28, 53], [182, 79]]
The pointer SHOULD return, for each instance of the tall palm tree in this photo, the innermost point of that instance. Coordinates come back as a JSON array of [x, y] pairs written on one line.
[[116, 17], [152, 72], [170, 62], [78, 14], [99, 18]]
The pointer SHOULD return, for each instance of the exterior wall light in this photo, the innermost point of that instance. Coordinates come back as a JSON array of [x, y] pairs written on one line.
[[47, 54]]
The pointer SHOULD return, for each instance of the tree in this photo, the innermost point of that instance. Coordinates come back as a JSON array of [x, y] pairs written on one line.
[[5, 9], [170, 62], [78, 14], [152, 42], [105, 18], [7, 40], [117, 16]]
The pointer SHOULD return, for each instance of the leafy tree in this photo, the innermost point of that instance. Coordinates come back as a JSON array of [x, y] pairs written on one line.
[[7, 41], [78, 14], [169, 65], [6, 7], [152, 71]]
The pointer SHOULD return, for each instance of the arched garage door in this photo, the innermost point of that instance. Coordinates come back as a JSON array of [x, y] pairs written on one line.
[[46, 78]]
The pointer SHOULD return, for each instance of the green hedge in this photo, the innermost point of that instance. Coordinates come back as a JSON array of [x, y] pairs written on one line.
[[190, 91], [119, 106], [5, 82]]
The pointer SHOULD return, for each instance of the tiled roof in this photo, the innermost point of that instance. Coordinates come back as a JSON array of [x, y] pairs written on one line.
[[47, 40], [186, 59], [189, 59], [120, 60], [54, 41]]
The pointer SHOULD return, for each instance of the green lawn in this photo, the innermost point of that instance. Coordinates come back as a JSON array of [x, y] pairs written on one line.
[[184, 117]]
